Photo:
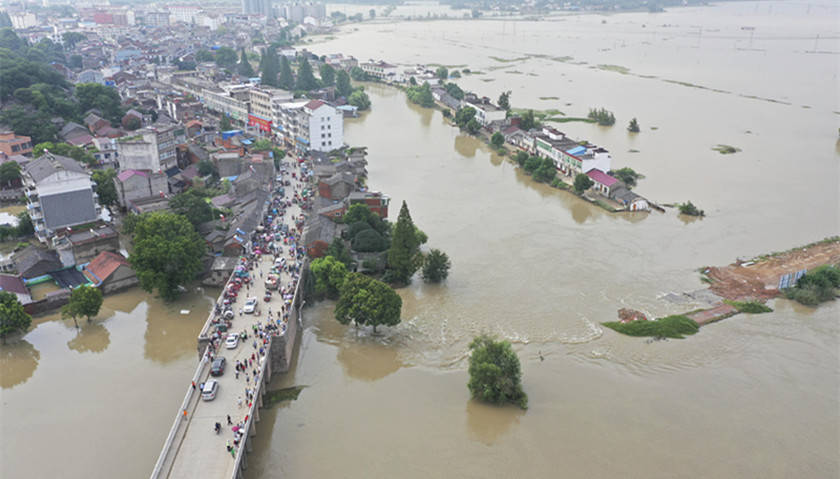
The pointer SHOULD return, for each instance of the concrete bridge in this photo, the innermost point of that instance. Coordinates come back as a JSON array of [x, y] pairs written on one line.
[[192, 448]]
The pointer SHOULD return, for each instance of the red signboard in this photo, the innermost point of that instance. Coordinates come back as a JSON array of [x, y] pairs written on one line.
[[264, 125]]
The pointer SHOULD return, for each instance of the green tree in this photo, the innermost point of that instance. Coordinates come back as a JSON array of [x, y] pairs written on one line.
[[105, 187], [226, 57], [498, 139], [404, 255], [329, 274], [361, 212], [367, 302], [244, 67], [495, 374], [167, 253], [12, 316], [206, 167], [582, 183], [224, 123], [442, 73], [602, 116], [504, 100], [436, 266], [338, 251], [75, 62], [327, 73], [357, 74], [473, 126], [306, 79], [689, 209], [528, 121], [287, 78], [546, 171], [9, 171], [104, 98], [422, 95], [204, 56], [464, 115], [369, 241], [454, 91], [70, 39], [25, 226], [84, 301], [342, 83], [360, 100], [270, 66], [520, 158], [627, 175], [633, 127], [191, 206]]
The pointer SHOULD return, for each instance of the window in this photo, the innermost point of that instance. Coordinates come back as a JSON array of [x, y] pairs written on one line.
[[329, 135], [329, 127]]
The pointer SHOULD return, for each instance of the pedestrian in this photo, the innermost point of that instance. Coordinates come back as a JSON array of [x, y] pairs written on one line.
[[236, 373], [185, 413], [229, 421], [233, 452], [193, 385], [239, 402], [227, 445]]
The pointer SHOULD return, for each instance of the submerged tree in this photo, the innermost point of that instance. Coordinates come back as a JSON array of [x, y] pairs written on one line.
[[84, 301], [404, 254], [495, 374], [12, 316], [367, 302], [436, 266], [633, 127]]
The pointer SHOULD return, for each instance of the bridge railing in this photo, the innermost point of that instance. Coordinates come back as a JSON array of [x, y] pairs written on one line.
[[164, 462]]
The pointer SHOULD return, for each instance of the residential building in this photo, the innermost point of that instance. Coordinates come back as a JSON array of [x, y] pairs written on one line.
[[157, 19], [33, 262], [110, 272], [485, 112], [603, 183], [12, 144], [151, 148], [257, 7], [14, 284], [375, 201], [221, 101], [265, 107], [132, 185], [59, 194], [90, 76], [320, 127], [84, 245], [382, 71]]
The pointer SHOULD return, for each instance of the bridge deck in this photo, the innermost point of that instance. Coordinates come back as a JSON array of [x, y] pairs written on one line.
[[202, 453]]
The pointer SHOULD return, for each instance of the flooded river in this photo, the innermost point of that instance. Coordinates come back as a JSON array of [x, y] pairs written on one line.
[[753, 396]]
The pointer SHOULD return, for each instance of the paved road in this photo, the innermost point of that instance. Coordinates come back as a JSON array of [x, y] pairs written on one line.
[[202, 453]]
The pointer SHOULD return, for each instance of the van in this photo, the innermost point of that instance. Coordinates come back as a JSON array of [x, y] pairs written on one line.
[[210, 389]]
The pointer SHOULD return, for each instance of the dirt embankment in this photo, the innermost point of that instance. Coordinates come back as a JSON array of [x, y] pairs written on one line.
[[760, 280]]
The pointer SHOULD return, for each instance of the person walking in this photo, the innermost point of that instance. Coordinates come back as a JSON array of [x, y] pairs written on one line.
[[230, 423]]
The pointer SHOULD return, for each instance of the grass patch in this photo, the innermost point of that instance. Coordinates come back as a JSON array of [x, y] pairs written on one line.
[[549, 98], [676, 327], [631, 150], [726, 149], [751, 307], [569, 119], [279, 395], [509, 60], [614, 68], [563, 59]]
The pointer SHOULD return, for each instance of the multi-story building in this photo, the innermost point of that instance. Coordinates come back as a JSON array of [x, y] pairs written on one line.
[[12, 144], [266, 107], [152, 148], [485, 112], [381, 70], [223, 102], [257, 7], [156, 19], [59, 194], [312, 126], [183, 13]]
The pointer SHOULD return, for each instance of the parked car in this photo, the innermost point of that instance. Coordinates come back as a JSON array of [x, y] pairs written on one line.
[[211, 387], [250, 305], [232, 341], [218, 367]]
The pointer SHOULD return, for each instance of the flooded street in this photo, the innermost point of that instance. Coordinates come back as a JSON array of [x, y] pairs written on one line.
[[543, 269], [101, 399], [751, 396]]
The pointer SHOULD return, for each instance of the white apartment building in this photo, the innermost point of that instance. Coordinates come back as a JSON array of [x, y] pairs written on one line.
[[381, 70], [59, 193], [311, 126], [152, 148]]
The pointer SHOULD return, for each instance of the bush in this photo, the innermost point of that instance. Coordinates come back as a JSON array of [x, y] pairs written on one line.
[[690, 210], [627, 175], [677, 327], [436, 266], [751, 307], [370, 264], [369, 241], [521, 157], [582, 183], [497, 139], [602, 116], [816, 287], [357, 228]]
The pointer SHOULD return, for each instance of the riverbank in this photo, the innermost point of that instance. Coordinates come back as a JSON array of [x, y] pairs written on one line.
[[744, 286]]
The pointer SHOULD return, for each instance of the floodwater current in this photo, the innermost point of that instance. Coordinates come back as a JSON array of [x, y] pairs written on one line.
[[751, 396]]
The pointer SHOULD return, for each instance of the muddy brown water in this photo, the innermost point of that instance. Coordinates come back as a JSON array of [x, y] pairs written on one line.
[[752, 396]]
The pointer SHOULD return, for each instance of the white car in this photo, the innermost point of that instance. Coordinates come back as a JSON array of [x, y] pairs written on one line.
[[232, 341], [250, 305], [208, 392]]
